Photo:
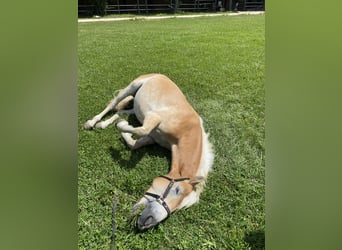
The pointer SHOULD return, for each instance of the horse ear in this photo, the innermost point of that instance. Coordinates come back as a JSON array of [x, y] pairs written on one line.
[[196, 180]]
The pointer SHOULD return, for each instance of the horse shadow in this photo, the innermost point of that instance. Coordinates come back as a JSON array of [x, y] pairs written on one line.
[[136, 155], [134, 159], [255, 239]]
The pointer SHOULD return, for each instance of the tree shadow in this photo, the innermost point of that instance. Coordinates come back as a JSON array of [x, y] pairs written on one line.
[[255, 239]]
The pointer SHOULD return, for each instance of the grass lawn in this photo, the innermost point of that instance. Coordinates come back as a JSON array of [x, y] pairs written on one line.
[[218, 62]]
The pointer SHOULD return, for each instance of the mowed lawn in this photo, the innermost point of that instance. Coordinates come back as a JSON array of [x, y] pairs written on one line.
[[218, 62]]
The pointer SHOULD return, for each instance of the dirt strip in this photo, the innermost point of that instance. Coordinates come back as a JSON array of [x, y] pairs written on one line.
[[89, 20]]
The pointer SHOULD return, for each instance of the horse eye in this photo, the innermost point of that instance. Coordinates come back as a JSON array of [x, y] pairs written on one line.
[[177, 190]]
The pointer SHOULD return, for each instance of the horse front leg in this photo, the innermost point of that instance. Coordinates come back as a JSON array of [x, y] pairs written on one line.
[[151, 121], [134, 144]]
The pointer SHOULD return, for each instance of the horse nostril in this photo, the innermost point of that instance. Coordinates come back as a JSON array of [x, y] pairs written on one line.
[[148, 221]]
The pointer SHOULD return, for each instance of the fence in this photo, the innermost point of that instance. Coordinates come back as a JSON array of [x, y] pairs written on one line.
[[105, 7]]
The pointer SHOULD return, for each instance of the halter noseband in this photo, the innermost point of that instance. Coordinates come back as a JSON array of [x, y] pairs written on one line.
[[159, 198]]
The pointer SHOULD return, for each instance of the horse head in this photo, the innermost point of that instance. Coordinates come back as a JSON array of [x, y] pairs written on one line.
[[164, 197]]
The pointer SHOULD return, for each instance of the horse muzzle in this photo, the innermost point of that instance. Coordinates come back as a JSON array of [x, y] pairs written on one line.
[[146, 223], [151, 216]]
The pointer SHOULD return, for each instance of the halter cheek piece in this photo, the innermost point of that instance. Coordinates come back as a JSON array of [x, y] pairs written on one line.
[[160, 199]]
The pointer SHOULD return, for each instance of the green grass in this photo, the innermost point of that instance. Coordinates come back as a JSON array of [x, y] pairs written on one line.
[[218, 62]]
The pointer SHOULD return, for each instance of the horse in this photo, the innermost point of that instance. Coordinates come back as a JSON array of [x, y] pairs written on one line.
[[169, 120]]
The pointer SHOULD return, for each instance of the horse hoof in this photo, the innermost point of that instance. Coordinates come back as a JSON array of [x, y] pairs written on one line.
[[121, 123], [88, 125], [100, 125]]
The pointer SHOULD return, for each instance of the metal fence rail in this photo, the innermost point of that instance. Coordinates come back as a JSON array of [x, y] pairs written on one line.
[[167, 6], [144, 6]]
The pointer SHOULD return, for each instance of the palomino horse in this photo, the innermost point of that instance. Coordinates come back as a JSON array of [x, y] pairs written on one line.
[[167, 119]]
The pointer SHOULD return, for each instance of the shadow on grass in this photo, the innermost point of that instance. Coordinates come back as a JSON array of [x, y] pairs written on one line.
[[256, 239], [136, 155], [126, 164]]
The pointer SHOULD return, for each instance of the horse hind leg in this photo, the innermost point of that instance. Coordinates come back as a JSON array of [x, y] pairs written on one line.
[[120, 107], [130, 90]]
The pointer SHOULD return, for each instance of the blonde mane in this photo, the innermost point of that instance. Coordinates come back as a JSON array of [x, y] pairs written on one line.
[[206, 163]]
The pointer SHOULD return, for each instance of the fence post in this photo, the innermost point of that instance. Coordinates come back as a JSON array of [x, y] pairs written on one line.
[[100, 7], [176, 5], [230, 5]]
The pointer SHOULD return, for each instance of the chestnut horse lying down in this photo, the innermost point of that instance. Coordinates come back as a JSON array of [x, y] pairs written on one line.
[[167, 119]]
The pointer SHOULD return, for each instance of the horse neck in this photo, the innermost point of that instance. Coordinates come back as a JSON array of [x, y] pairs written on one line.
[[186, 154]]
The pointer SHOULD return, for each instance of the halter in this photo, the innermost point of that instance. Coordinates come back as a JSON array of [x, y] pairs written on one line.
[[159, 198]]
